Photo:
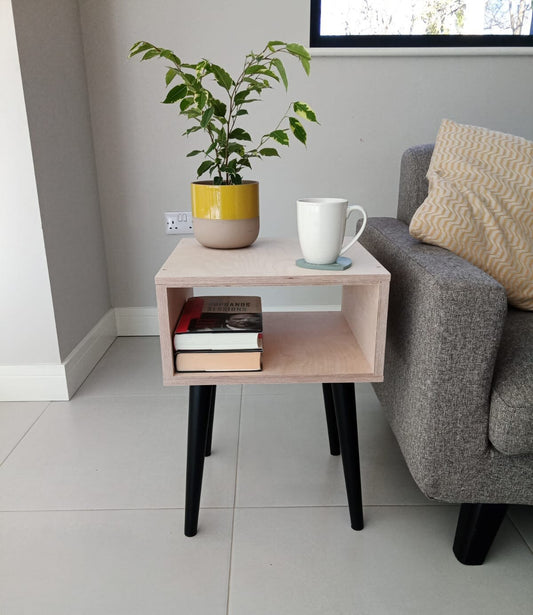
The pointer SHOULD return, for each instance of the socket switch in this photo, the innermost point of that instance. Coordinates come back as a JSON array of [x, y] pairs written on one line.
[[178, 222]]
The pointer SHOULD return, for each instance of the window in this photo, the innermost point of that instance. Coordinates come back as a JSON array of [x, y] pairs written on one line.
[[421, 23]]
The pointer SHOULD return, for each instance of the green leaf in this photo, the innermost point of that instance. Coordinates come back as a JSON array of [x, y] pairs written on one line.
[[305, 111], [204, 167], [269, 151], [171, 74], [302, 54], [219, 107], [242, 112], [201, 99], [240, 134], [194, 153], [298, 50], [257, 86], [169, 55], [240, 97], [221, 136], [281, 70], [139, 47], [235, 148], [176, 93], [271, 74], [223, 79], [252, 70], [297, 129], [306, 64], [280, 136], [193, 113], [244, 162], [200, 67], [191, 130], [206, 117], [186, 103], [150, 54], [191, 81], [258, 69], [272, 44]]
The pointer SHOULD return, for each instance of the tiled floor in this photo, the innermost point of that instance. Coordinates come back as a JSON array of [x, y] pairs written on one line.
[[91, 510]]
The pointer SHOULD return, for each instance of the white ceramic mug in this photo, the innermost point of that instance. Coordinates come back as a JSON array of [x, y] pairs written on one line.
[[321, 228]]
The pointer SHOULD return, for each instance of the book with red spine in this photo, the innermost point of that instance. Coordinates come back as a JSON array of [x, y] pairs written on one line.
[[219, 323]]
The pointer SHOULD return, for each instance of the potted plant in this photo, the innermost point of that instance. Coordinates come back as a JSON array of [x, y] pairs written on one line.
[[225, 208]]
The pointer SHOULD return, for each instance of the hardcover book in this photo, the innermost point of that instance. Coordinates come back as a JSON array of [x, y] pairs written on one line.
[[220, 323], [219, 361]]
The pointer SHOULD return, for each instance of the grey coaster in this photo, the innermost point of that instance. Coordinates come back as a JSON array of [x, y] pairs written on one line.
[[339, 265]]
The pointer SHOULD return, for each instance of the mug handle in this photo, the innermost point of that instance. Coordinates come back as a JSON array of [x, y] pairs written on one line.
[[350, 210]]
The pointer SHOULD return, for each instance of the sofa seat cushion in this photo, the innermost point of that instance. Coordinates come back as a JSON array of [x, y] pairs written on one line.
[[511, 407]]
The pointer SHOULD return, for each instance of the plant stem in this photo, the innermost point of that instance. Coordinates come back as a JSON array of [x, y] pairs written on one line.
[[266, 138], [251, 58]]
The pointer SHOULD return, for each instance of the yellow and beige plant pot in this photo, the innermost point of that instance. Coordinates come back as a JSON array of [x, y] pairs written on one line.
[[225, 216]]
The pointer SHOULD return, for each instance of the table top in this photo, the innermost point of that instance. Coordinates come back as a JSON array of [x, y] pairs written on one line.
[[267, 262]]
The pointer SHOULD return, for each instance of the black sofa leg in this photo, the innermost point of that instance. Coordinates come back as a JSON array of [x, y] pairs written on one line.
[[331, 420], [477, 526]]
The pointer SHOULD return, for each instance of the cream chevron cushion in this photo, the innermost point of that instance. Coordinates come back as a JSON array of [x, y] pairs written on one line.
[[480, 204]]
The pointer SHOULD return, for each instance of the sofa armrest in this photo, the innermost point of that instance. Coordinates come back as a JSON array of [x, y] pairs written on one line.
[[444, 326]]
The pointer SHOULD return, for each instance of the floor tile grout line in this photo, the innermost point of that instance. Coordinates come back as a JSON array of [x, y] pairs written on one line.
[[96, 510], [164, 395], [25, 433], [530, 547], [296, 506], [232, 508], [228, 590]]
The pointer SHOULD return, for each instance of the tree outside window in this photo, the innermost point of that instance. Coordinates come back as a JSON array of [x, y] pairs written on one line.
[[422, 18]]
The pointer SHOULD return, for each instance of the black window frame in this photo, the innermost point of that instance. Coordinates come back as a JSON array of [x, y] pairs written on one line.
[[318, 40]]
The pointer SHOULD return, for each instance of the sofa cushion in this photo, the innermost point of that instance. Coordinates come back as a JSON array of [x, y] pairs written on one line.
[[511, 407], [480, 204]]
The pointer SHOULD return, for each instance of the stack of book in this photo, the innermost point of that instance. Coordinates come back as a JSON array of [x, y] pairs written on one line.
[[219, 333]]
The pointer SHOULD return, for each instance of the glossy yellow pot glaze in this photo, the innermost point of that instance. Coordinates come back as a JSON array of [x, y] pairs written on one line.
[[225, 216], [225, 202]]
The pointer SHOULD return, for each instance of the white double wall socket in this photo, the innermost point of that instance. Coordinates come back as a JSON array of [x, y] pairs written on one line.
[[178, 222]]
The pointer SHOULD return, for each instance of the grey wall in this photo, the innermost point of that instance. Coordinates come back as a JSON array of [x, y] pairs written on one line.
[[55, 91], [370, 109]]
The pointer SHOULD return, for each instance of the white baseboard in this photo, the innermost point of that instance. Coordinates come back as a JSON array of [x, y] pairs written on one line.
[[33, 382], [49, 382], [81, 361], [58, 382], [136, 321]]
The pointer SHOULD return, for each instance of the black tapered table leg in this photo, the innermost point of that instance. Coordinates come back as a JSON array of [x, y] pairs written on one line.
[[199, 410], [345, 411], [211, 419], [331, 420]]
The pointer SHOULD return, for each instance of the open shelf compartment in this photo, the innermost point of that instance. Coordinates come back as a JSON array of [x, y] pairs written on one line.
[[334, 346]]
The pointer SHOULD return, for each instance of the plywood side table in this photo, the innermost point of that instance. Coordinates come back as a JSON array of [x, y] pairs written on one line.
[[336, 348]]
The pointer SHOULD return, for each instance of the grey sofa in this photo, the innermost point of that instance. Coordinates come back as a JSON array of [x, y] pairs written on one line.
[[458, 387]]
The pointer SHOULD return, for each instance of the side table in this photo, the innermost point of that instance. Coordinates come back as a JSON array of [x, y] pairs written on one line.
[[335, 348]]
